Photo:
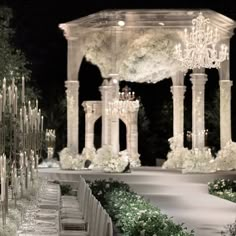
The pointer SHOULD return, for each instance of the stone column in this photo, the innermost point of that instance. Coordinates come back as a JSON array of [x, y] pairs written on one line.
[[225, 112], [198, 78], [72, 115], [74, 59], [134, 155], [115, 131], [89, 127], [105, 90], [178, 114], [225, 103]]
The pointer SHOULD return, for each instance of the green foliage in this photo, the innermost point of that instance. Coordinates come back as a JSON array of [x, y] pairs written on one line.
[[224, 188], [132, 214], [101, 187], [11, 59]]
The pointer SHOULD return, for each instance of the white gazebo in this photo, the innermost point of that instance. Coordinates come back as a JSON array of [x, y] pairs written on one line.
[[138, 46]]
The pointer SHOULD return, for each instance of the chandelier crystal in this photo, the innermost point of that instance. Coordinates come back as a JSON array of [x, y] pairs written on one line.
[[126, 103], [200, 49]]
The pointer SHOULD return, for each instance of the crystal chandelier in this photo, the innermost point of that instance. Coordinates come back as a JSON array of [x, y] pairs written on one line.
[[200, 46], [126, 103]]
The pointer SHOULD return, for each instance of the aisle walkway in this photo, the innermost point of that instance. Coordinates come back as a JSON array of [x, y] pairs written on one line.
[[183, 196], [186, 198]]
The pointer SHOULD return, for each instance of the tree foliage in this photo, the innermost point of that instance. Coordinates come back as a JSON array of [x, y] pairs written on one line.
[[12, 60]]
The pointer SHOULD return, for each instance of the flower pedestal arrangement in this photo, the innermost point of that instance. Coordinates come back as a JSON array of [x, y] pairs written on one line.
[[70, 161], [107, 161], [226, 157], [175, 158], [101, 160], [199, 161]]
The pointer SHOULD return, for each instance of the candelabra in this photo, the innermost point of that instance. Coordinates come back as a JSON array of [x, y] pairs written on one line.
[[19, 129], [50, 142], [200, 46]]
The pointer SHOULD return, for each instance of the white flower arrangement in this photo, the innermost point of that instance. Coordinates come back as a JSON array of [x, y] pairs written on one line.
[[146, 55], [194, 160], [70, 161], [199, 161], [103, 159], [149, 57], [134, 160], [107, 161], [89, 154], [226, 157], [176, 157]]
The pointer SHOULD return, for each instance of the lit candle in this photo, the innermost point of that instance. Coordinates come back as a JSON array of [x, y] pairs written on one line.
[[24, 112], [15, 180], [36, 162], [3, 176], [25, 160], [9, 98], [26, 124], [4, 93], [0, 107], [23, 90], [42, 123], [13, 84], [21, 167], [36, 105], [21, 120], [16, 96], [39, 116], [13, 103], [12, 176]]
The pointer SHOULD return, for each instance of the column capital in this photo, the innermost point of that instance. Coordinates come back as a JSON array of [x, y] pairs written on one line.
[[179, 88], [72, 84], [226, 83], [198, 79]]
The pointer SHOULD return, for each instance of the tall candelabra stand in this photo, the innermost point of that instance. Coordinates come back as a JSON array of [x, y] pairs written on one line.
[[20, 140], [50, 142]]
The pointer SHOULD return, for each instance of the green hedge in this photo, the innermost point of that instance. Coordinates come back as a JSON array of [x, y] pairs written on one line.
[[132, 214], [224, 188]]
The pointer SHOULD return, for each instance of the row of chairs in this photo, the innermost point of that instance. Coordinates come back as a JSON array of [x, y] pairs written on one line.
[[83, 215]]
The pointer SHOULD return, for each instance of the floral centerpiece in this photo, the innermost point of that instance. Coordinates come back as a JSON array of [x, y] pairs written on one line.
[[176, 156], [103, 159], [226, 157], [107, 161], [89, 154], [71, 161], [199, 161]]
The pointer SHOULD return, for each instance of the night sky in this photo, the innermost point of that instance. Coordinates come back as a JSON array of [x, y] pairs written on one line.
[[37, 34]]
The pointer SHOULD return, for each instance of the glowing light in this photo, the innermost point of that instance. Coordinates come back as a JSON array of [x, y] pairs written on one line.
[[121, 23]]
